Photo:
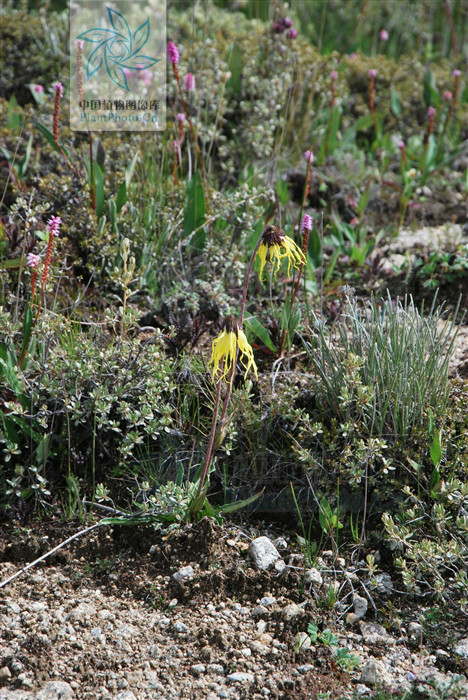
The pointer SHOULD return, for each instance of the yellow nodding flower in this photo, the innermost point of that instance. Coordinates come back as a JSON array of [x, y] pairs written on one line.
[[225, 347], [278, 246]]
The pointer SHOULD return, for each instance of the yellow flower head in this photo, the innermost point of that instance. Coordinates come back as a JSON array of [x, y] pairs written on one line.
[[278, 246], [225, 347]]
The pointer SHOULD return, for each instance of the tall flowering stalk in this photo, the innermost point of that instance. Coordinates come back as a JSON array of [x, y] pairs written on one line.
[[33, 262], [58, 87], [372, 74], [453, 102], [174, 57], [79, 80], [53, 224]]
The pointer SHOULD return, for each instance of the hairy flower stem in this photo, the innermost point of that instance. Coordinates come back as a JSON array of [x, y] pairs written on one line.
[[305, 245], [209, 449], [217, 426], [192, 129]]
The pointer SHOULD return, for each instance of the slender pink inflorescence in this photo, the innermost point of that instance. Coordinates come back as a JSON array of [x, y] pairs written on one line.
[[292, 33], [383, 35], [53, 224], [58, 87], [33, 260], [306, 223], [309, 156], [39, 89], [173, 53], [372, 74], [189, 82]]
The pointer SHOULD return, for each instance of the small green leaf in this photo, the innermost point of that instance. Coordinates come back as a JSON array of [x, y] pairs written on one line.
[[436, 450], [194, 211], [431, 96], [395, 103], [234, 84], [99, 189], [259, 330], [49, 137]]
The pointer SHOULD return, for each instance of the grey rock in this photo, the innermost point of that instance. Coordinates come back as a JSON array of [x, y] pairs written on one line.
[[371, 673], [360, 606], [259, 610], [125, 695], [240, 677], [461, 648], [382, 584], [268, 600], [180, 627], [351, 619], [216, 669], [184, 574], [292, 611], [313, 577], [414, 630], [280, 543], [375, 635], [197, 669], [55, 690], [280, 566], [5, 674], [263, 553], [306, 668]]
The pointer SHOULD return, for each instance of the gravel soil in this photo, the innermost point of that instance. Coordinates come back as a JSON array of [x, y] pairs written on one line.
[[105, 618]]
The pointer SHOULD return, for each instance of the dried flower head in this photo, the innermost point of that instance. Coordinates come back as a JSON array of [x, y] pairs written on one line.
[[277, 245], [225, 347], [173, 53]]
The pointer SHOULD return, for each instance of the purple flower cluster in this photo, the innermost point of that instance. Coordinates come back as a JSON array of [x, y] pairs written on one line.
[[33, 260], [54, 224], [285, 24], [306, 223], [173, 53]]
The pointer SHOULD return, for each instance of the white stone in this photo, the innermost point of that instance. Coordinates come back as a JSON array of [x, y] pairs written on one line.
[[263, 553], [371, 673], [461, 648], [240, 677], [313, 577], [360, 606], [184, 574]]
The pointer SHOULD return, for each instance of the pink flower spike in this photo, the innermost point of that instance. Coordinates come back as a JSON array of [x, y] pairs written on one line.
[[54, 224], [431, 111], [383, 35], [172, 52], [33, 260], [401, 144], [306, 223], [58, 87], [176, 146], [334, 74], [447, 95], [180, 117], [309, 156], [456, 73], [80, 43], [372, 73], [38, 88], [189, 82], [292, 33], [287, 22], [352, 56]]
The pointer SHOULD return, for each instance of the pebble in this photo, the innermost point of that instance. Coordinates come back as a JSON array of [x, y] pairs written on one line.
[[303, 642], [291, 611], [414, 630], [360, 606], [461, 648], [180, 627], [263, 553], [306, 668], [375, 635], [240, 677], [313, 577], [197, 669], [371, 673], [184, 574]]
